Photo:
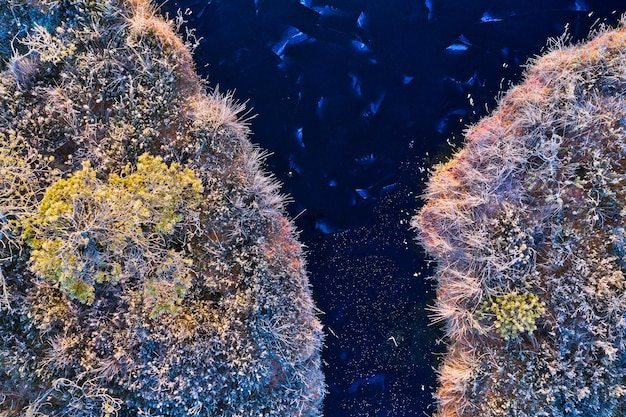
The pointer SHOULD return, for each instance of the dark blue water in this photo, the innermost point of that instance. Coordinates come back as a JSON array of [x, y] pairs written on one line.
[[355, 99]]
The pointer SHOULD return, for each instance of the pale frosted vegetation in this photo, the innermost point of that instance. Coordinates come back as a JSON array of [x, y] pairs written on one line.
[[146, 265], [526, 224]]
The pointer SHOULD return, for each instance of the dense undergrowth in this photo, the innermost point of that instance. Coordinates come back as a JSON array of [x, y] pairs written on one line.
[[527, 225], [146, 266]]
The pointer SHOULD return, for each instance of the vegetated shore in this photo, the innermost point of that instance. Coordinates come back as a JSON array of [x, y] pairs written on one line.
[[146, 264], [526, 223]]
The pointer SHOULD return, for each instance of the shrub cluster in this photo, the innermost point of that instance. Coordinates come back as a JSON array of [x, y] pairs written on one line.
[[146, 265], [526, 225], [513, 313], [86, 231]]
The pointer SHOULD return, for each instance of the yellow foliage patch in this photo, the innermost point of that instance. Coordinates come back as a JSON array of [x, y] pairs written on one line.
[[87, 231]]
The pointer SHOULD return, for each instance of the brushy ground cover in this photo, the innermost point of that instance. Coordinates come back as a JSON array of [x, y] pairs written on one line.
[[146, 265], [527, 225]]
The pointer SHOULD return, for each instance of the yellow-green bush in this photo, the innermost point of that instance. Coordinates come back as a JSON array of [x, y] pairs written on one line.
[[21, 170], [514, 313], [87, 231]]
